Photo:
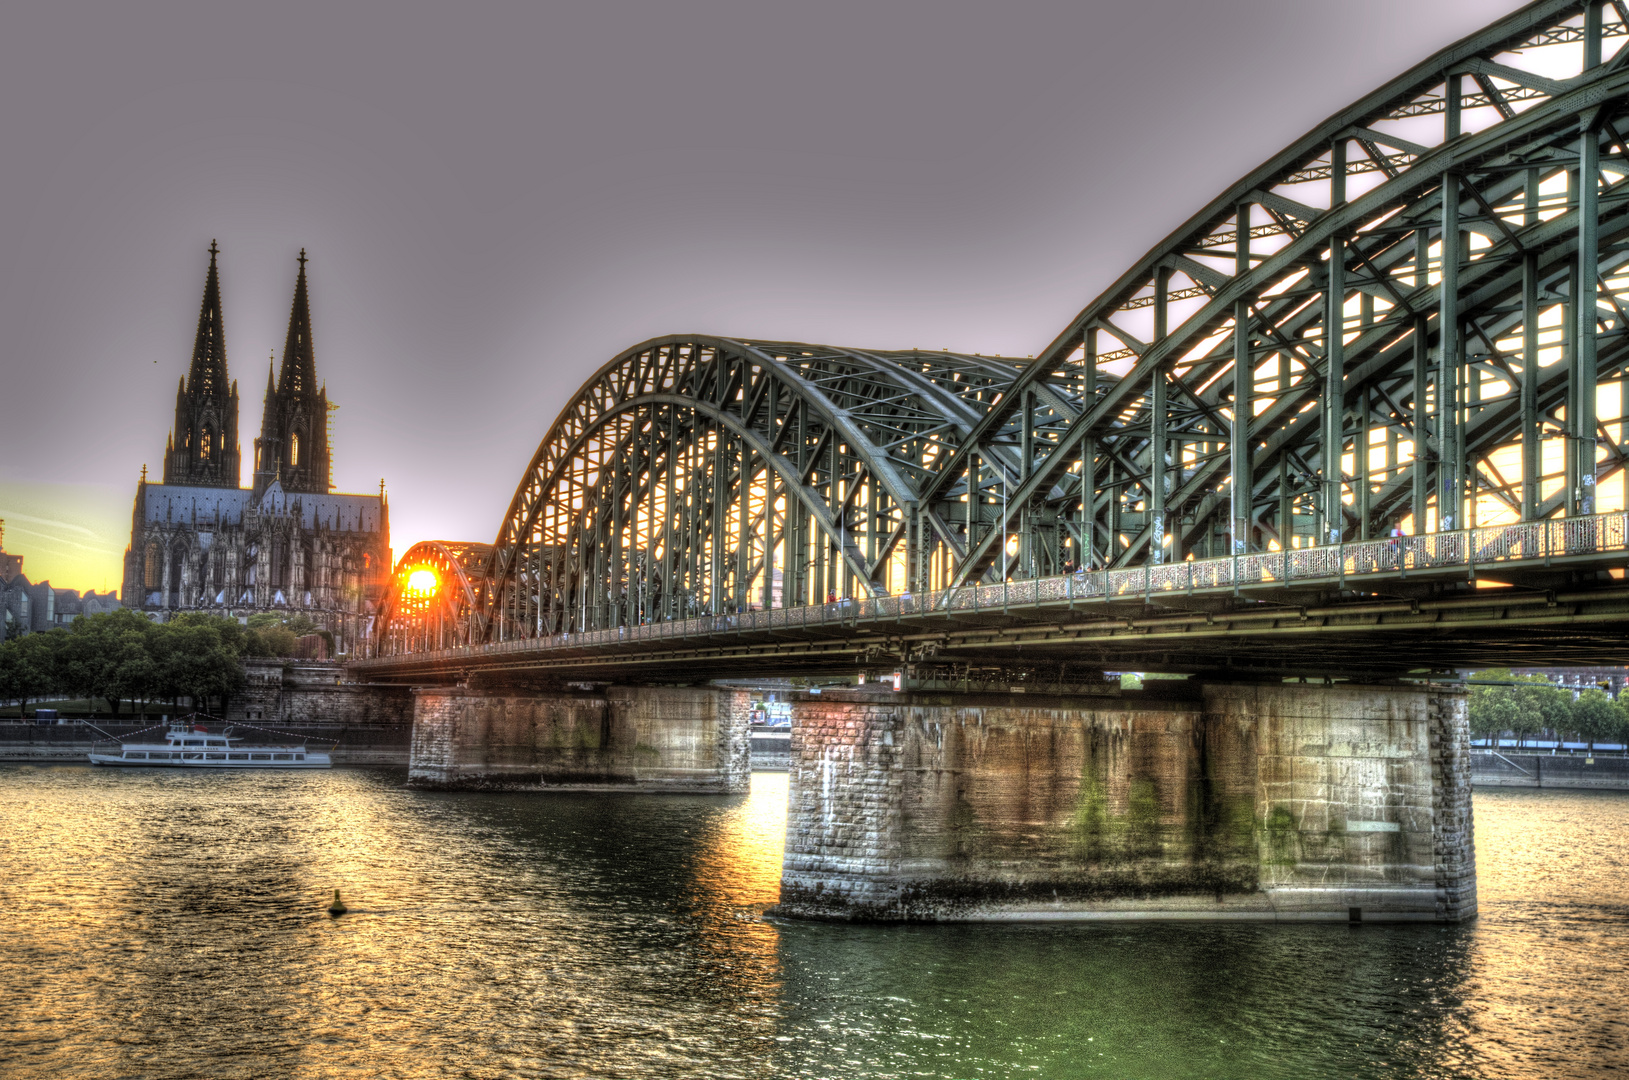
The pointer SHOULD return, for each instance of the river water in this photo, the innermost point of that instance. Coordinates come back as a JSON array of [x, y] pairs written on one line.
[[165, 924]]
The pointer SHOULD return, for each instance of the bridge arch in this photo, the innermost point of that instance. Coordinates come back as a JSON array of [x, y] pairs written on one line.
[[1379, 328], [701, 475], [443, 611], [1392, 422]]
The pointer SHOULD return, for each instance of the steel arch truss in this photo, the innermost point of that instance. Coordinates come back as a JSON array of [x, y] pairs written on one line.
[[1414, 318], [1446, 224], [442, 611], [699, 475]]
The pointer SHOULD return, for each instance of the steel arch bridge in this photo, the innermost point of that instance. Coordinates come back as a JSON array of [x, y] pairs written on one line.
[[1410, 321]]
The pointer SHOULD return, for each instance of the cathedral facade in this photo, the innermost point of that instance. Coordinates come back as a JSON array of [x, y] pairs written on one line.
[[288, 543]]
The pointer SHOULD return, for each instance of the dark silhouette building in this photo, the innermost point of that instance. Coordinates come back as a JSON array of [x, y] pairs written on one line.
[[288, 543], [203, 446], [293, 443]]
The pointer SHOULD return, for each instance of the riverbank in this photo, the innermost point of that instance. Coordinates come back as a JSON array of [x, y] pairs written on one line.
[[1576, 771], [771, 749]]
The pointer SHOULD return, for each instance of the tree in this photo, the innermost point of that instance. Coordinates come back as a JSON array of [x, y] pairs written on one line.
[[88, 664], [276, 635], [269, 636], [196, 658], [1596, 717], [1520, 705], [28, 667], [135, 674]]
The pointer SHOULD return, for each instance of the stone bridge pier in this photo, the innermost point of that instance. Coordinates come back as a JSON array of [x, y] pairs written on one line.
[[1187, 800], [681, 739]]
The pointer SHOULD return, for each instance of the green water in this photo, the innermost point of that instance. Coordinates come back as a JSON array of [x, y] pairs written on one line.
[[170, 925]]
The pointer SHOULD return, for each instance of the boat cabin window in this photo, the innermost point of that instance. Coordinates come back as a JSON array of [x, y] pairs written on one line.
[[217, 742], [299, 757], [192, 757], [237, 757], [260, 757], [193, 742], [216, 757], [134, 754], [279, 757]]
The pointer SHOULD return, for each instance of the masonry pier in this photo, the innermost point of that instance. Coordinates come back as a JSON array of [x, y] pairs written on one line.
[[1192, 799], [679, 739]]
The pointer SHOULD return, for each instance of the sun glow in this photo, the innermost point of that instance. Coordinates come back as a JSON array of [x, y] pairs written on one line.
[[422, 582]]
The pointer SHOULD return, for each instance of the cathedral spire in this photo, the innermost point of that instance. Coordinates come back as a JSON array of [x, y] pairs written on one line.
[[203, 447], [299, 374], [207, 377], [267, 451], [293, 444]]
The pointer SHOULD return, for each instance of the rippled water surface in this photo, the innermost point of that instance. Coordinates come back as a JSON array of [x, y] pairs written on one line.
[[171, 925]]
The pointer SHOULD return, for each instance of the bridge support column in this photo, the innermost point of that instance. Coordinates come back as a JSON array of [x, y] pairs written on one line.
[[681, 739], [1226, 801]]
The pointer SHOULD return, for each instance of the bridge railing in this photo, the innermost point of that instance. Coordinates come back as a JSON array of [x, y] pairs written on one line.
[[1522, 541]]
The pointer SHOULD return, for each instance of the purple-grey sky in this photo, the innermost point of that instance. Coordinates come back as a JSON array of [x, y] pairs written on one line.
[[497, 198]]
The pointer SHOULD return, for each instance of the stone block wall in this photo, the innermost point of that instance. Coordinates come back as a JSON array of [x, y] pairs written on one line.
[[634, 738], [1271, 801], [1577, 771], [298, 692]]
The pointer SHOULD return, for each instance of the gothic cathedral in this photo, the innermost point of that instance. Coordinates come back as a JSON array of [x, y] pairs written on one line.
[[200, 542]]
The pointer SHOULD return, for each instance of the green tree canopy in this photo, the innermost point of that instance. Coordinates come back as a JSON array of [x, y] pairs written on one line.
[[122, 655], [273, 634], [1528, 705], [1596, 717]]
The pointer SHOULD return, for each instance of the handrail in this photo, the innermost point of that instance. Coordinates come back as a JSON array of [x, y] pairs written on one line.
[[1512, 764], [1469, 548]]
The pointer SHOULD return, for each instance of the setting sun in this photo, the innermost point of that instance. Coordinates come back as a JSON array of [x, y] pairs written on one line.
[[422, 581]]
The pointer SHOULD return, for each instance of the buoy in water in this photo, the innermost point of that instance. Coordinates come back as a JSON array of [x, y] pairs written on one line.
[[338, 906]]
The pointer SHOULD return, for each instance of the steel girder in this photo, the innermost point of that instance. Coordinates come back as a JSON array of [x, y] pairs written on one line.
[[1347, 227], [698, 475], [1446, 224]]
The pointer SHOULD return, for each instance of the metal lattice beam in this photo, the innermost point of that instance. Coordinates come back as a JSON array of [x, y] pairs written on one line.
[[1401, 322]]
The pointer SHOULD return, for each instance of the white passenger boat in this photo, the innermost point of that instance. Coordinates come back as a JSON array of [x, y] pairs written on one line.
[[191, 746]]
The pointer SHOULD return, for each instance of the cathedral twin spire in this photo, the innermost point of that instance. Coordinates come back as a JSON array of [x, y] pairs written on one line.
[[203, 447], [293, 445]]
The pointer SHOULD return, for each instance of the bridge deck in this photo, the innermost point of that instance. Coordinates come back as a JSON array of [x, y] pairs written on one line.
[[1536, 592]]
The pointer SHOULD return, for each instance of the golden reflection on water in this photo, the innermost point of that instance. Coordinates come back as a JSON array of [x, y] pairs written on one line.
[[737, 874], [171, 925], [739, 863], [1547, 967]]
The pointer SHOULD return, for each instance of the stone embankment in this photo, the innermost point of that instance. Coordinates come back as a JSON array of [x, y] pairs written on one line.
[[1576, 771], [771, 749]]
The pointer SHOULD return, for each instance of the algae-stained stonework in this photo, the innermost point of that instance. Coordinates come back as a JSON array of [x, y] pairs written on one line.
[[1278, 801], [643, 738]]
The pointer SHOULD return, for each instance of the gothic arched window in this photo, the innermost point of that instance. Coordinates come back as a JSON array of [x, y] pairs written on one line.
[[279, 562], [206, 444], [178, 570], [293, 449], [152, 574]]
